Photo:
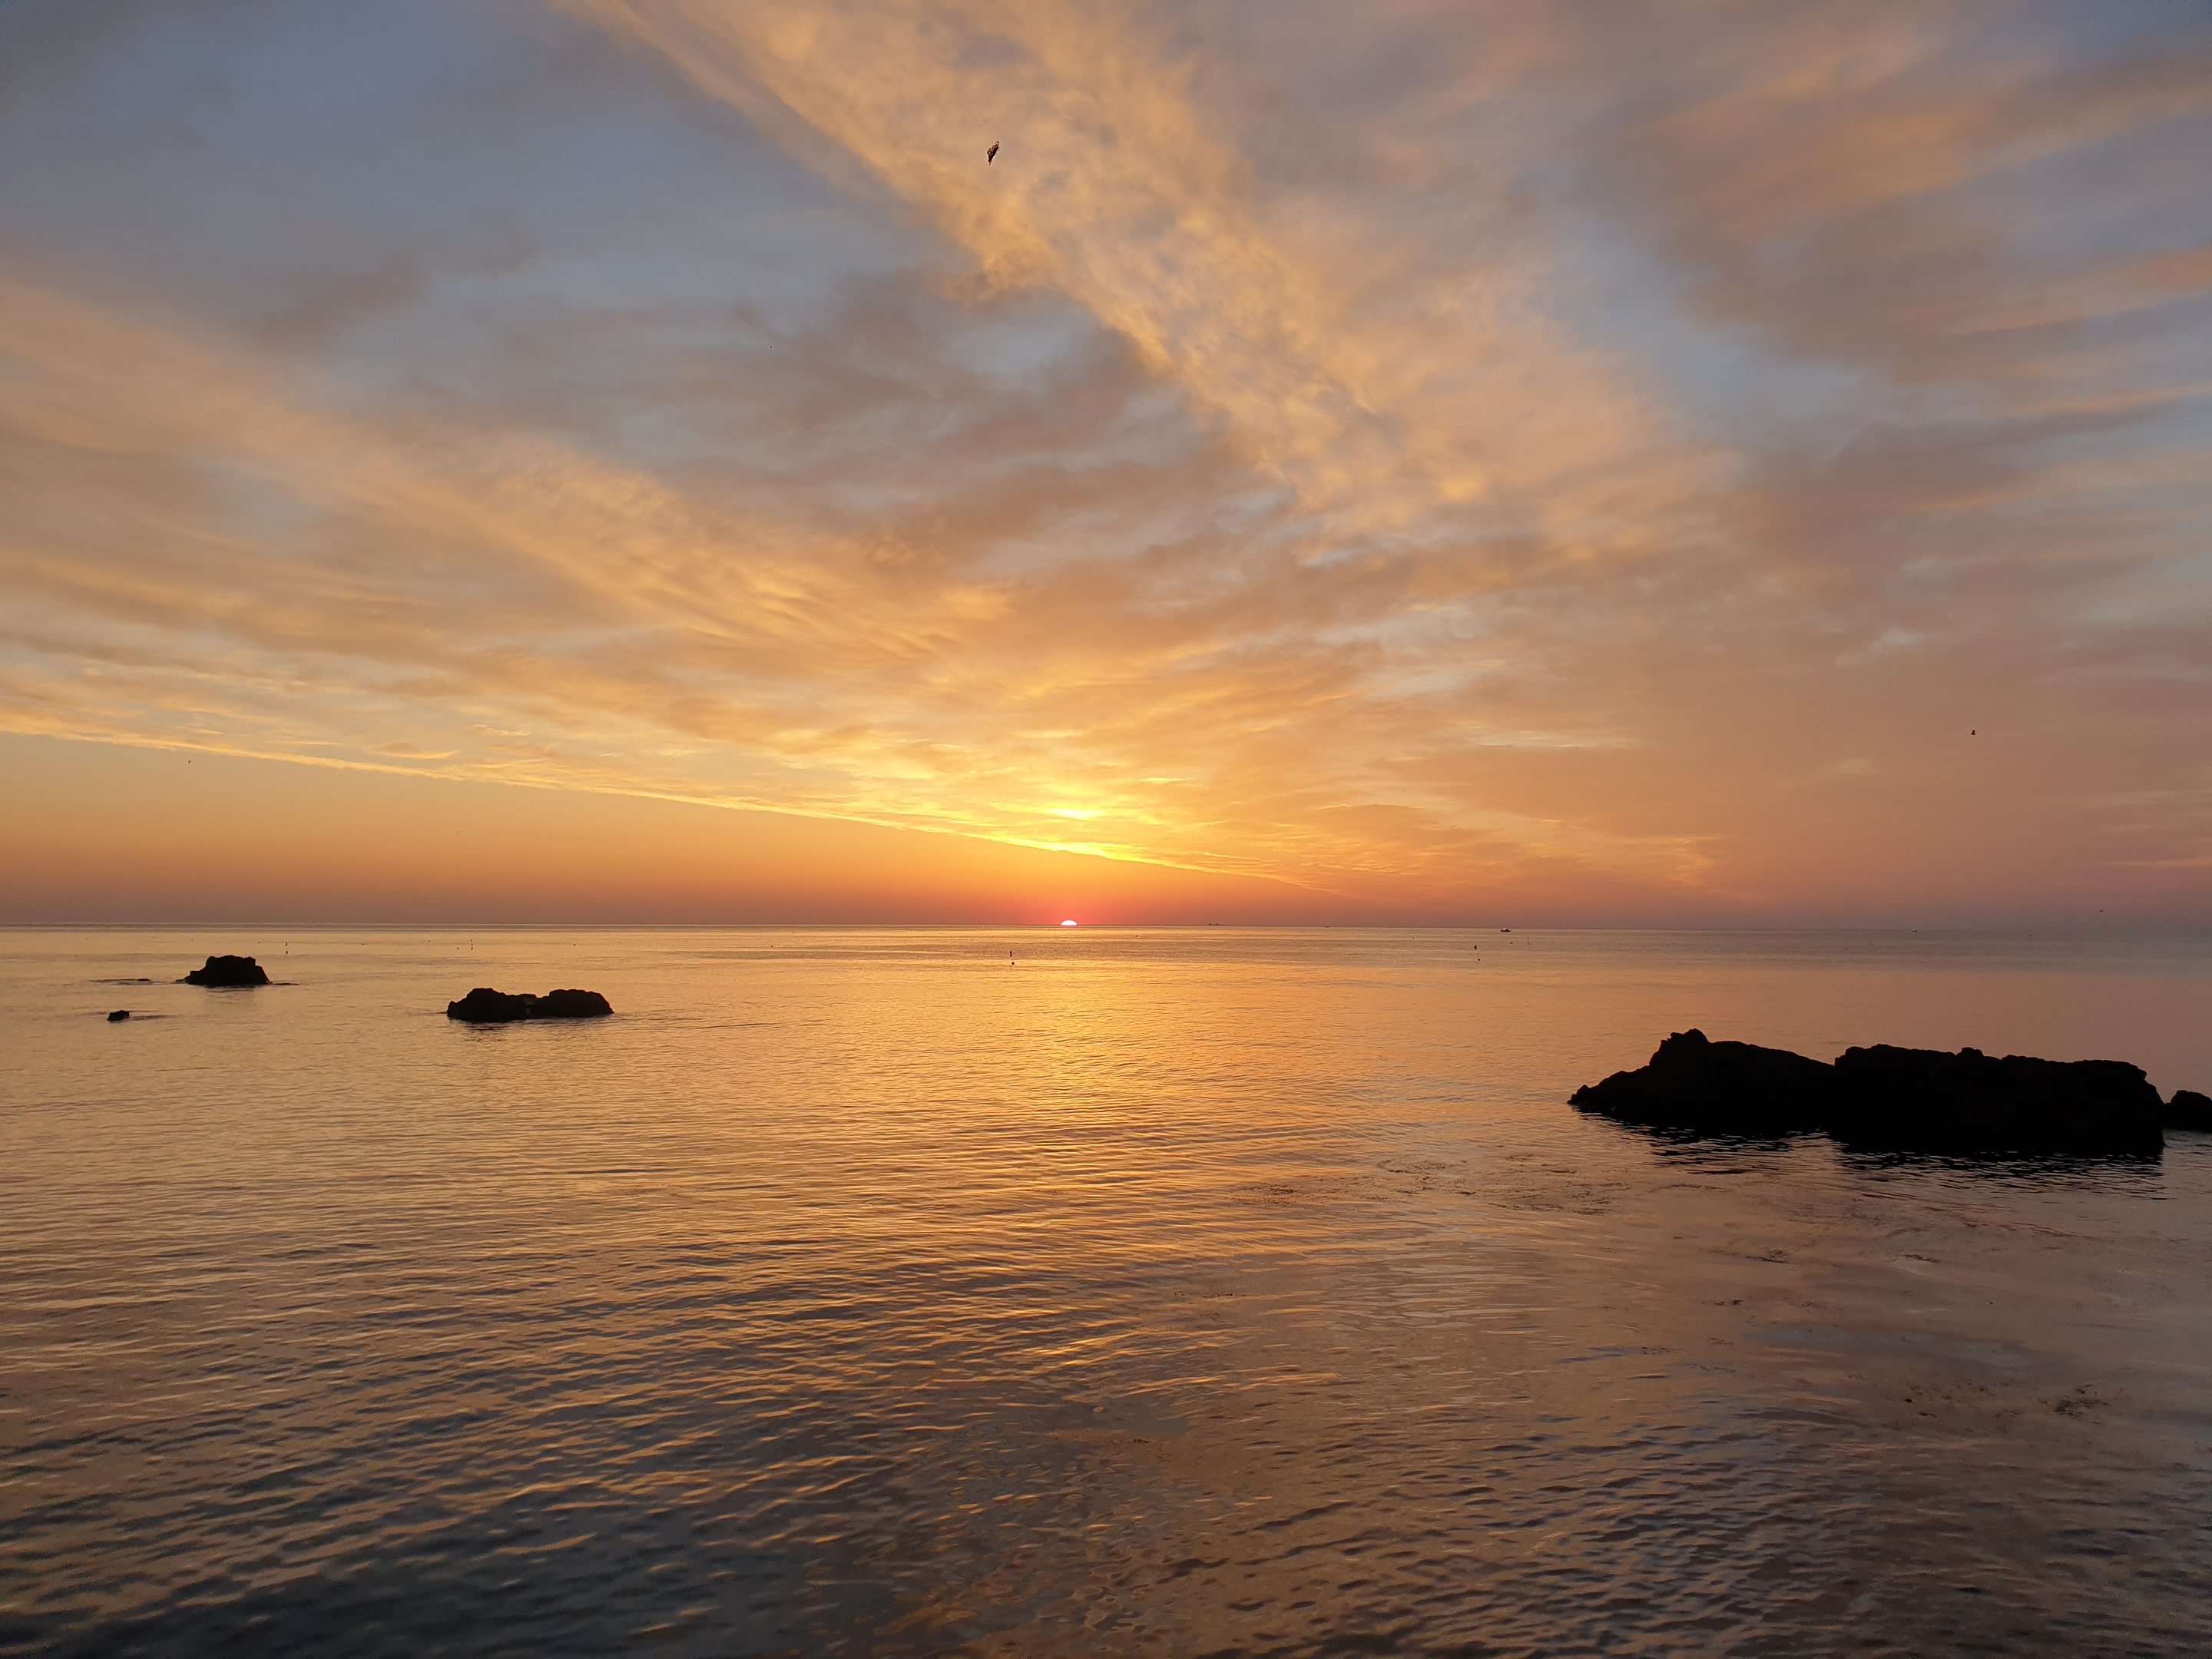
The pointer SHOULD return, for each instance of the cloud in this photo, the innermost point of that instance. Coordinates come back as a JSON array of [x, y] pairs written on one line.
[[1313, 322], [1471, 453], [666, 645]]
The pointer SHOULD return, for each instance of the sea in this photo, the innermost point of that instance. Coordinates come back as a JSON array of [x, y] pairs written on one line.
[[1079, 1291]]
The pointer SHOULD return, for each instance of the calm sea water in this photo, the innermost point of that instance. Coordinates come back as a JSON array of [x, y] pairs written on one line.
[[1169, 1292]]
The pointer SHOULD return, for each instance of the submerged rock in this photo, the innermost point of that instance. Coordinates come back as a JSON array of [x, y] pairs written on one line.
[[1885, 1098], [485, 1006], [120, 1013], [228, 971], [2189, 1110]]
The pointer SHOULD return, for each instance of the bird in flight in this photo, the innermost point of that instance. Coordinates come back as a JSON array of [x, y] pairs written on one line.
[[990, 156]]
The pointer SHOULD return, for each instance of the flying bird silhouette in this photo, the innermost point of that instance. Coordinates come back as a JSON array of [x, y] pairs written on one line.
[[990, 156]]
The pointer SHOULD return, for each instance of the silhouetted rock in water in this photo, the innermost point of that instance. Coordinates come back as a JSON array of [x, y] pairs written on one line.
[[572, 1004], [1924, 1100], [228, 971], [1717, 1088], [1890, 1099], [120, 1013], [2189, 1110], [485, 1006]]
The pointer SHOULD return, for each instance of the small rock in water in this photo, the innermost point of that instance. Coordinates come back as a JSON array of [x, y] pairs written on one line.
[[2189, 1110], [571, 1005], [485, 1006], [229, 971], [120, 1013], [1890, 1099]]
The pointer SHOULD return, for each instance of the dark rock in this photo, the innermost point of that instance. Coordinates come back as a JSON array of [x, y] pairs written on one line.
[[228, 971], [120, 1013], [1924, 1100], [485, 1006], [1890, 1099], [2190, 1110], [571, 1005], [1717, 1088]]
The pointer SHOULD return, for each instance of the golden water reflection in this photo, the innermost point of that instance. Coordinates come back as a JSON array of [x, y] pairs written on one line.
[[1183, 1291]]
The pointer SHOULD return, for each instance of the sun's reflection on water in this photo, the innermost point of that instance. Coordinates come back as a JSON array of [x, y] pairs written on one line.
[[861, 1292]]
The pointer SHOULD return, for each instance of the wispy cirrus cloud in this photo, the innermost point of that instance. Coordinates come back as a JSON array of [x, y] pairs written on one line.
[[1482, 451]]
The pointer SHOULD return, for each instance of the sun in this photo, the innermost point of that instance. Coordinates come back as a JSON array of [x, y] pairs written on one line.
[[1068, 924]]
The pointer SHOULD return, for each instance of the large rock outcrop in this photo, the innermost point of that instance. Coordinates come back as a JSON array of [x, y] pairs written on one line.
[[1717, 1088], [1890, 1099], [2190, 1110], [229, 971], [485, 1006], [1970, 1102]]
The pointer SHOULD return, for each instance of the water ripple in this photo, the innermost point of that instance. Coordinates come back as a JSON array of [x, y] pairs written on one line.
[[853, 1293]]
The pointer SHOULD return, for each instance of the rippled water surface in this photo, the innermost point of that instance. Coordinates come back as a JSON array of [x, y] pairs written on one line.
[[1169, 1292]]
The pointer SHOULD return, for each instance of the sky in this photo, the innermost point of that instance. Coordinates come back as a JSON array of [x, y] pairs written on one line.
[[1501, 462]]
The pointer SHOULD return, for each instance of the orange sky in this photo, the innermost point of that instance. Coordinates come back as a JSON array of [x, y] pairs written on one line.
[[633, 460]]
